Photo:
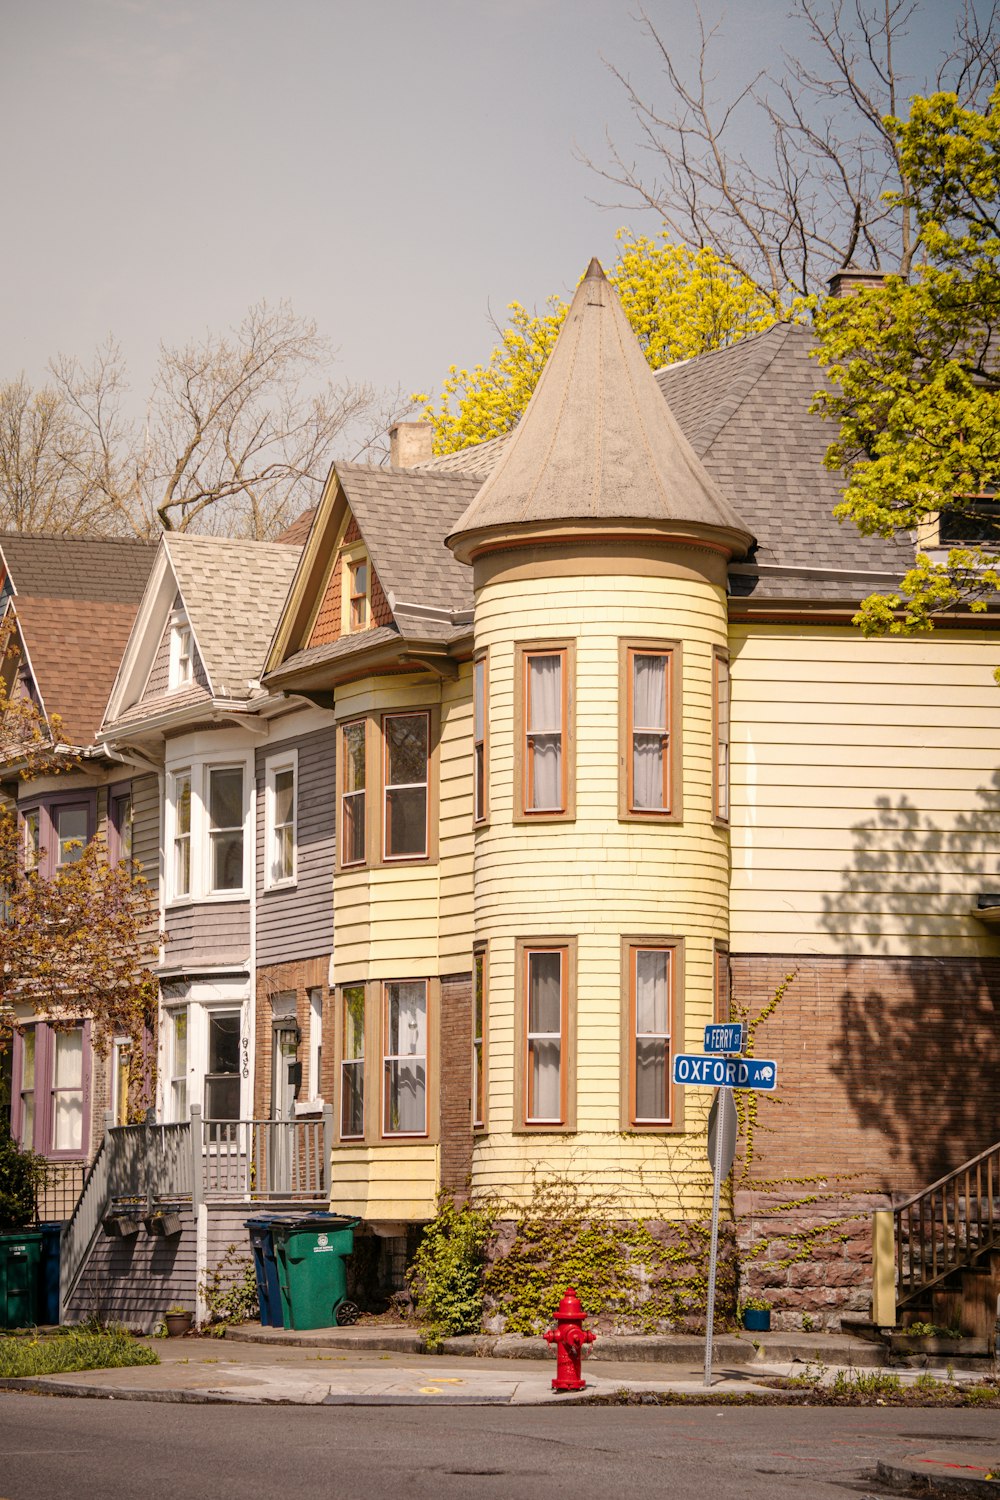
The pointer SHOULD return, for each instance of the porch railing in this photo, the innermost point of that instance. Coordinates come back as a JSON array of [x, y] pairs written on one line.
[[259, 1159], [948, 1225]]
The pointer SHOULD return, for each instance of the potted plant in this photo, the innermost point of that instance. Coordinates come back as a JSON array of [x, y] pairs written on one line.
[[124, 1220], [163, 1222], [757, 1315], [178, 1320]]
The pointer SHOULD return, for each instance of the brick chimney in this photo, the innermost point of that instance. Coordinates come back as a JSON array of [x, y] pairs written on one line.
[[410, 443], [850, 280]]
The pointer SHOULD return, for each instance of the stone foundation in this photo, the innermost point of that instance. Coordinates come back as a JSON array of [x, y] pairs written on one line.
[[808, 1251]]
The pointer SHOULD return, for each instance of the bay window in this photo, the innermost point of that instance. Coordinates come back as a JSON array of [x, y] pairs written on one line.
[[480, 739], [206, 831], [649, 780], [177, 1064], [55, 832], [478, 1039], [225, 828], [652, 984], [720, 724], [182, 833], [543, 730], [404, 1057], [352, 1063], [353, 741], [545, 1050], [406, 764]]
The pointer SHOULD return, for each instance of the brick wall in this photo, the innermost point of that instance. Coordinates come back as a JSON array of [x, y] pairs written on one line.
[[300, 977], [456, 1082], [888, 1069]]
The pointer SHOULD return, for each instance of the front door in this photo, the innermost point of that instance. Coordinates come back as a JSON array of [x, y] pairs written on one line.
[[286, 1072]]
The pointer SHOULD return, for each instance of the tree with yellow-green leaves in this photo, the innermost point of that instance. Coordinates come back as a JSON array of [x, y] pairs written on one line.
[[680, 302], [914, 367]]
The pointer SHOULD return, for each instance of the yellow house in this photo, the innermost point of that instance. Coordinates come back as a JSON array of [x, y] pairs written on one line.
[[611, 760]]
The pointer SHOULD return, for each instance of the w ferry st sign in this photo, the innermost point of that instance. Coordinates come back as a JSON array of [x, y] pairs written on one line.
[[699, 1068]]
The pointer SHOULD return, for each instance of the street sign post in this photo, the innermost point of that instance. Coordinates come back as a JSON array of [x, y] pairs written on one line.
[[726, 1036], [725, 1074]]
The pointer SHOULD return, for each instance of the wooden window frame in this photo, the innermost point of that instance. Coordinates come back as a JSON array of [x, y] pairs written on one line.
[[480, 1002], [721, 815], [630, 945], [47, 809], [404, 1135], [523, 948], [342, 793], [429, 785], [481, 747], [523, 652], [117, 794], [628, 648], [343, 1061], [350, 557]]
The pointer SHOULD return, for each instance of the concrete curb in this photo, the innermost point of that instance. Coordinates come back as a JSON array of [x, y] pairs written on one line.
[[922, 1482]]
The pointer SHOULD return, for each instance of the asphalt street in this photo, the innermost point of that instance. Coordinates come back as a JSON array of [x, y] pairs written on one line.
[[116, 1450]]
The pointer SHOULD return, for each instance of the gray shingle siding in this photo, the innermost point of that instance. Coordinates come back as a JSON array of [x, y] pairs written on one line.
[[297, 922], [209, 933], [146, 827]]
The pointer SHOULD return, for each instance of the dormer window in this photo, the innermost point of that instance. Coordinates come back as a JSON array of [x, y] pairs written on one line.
[[181, 652], [356, 590]]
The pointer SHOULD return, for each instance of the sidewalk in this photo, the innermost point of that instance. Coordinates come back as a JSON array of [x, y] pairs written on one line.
[[388, 1366]]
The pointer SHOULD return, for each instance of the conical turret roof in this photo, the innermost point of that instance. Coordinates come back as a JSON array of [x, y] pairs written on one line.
[[597, 442]]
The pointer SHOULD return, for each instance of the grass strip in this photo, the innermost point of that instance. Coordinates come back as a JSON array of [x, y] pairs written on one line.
[[56, 1354]]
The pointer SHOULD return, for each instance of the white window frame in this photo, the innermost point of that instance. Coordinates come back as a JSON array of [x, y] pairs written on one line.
[[315, 1043], [199, 767], [174, 894], [170, 1074], [273, 766], [182, 650], [225, 997]]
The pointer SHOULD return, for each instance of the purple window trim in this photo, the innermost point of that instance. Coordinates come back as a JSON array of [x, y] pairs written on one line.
[[45, 1053], [48, 839]]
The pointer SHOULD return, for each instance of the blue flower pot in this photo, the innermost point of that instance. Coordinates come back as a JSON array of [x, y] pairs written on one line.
[[757, 1319]]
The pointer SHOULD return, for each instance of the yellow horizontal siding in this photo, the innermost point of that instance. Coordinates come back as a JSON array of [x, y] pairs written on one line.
[[390, 1182], [866, 791]]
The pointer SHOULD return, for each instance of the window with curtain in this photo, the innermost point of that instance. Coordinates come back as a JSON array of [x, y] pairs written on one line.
[[352, 1063], [405, 1058], [26, 1131], [720, 666], [479, 740], [178, 1049], [352, 800], [32, 838], [650, 1010], [545, 1029], [67, 1090], [225, 828], [120, 829], [51, 1087], [544, 731], [407, 741], [478, 1025], [649, 731]]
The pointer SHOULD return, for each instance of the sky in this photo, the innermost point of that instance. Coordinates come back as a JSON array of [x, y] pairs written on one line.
[[398, 171]]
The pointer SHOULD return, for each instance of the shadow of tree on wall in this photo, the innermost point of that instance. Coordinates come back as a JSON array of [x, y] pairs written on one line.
[[918, 1044]]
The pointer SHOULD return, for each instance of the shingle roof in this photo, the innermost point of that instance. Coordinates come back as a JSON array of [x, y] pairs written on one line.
[[404, 516], [72, 567], [746, 412], [597, 441], [297, 534], [74, 648], [233, 592], [333, 651]]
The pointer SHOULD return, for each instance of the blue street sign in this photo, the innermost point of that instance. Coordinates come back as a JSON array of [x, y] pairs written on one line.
[[726, 1072], [729, 1036]]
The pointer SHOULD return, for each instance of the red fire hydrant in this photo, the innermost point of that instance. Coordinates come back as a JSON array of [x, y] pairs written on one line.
[[569, 1339]]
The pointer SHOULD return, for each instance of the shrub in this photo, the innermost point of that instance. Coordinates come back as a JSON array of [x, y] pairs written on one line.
[[230, 1290], [22, 1173], [446, 1275]]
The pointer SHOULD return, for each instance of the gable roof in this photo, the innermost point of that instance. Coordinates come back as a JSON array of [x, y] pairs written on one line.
[[597, 442], [75, 599], [233, 593], [76, 567]]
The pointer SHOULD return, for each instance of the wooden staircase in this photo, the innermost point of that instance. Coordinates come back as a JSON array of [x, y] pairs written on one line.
[[947, 1248]]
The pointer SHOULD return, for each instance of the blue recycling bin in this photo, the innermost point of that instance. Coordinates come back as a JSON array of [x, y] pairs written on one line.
[[48, 1274], [266, 1268]]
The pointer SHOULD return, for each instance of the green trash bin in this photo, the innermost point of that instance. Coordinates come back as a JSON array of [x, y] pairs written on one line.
[[311, 1253], [20, 1278]]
